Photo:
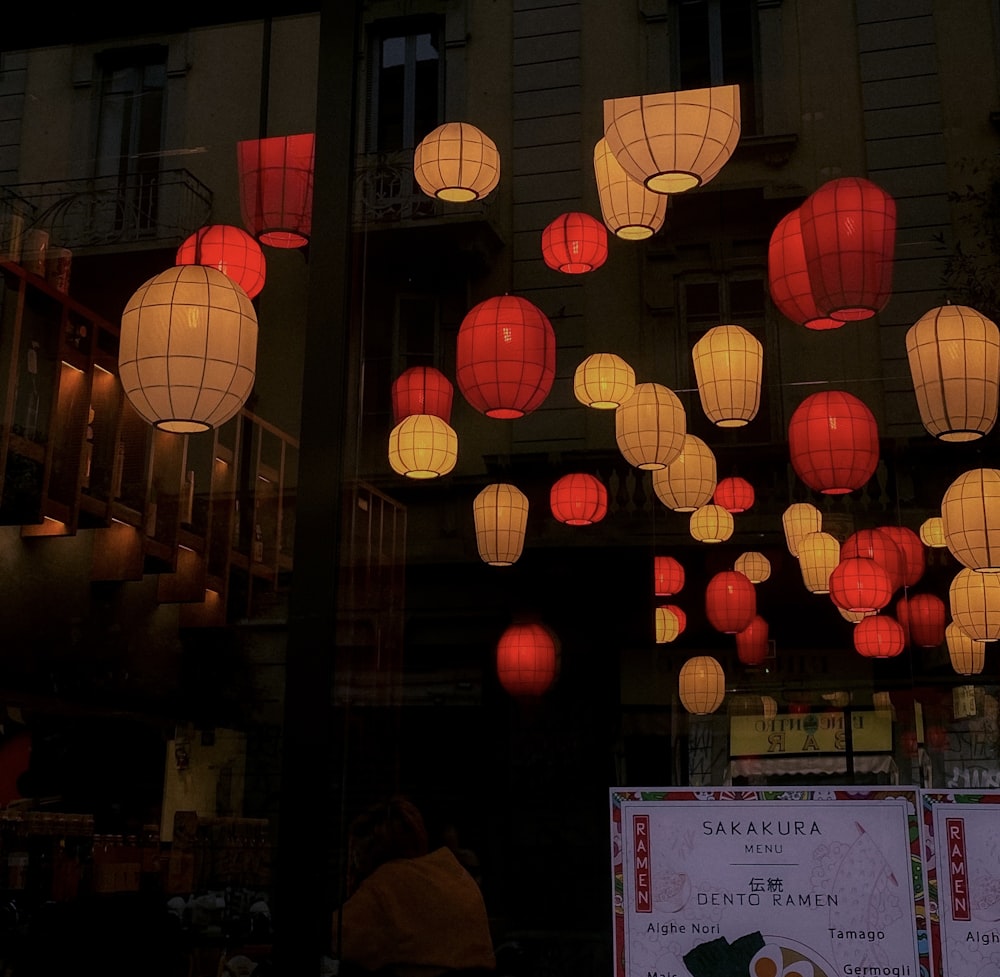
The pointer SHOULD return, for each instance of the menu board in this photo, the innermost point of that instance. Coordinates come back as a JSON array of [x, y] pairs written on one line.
[[768, 883], [963, 871]]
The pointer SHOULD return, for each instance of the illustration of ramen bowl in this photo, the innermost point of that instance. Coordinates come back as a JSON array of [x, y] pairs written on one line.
[[782, 957]]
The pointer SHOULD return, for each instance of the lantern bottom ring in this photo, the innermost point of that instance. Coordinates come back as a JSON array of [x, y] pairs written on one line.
[[279, 237], [575, 267], [673, 181], [963, 435], [174, 425], [634, 232], [457, 195], [853, 313]]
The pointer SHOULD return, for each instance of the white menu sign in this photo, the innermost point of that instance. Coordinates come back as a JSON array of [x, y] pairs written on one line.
[[768, 883]]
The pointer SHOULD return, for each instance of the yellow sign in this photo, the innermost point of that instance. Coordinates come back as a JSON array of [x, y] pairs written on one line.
[[816, 733]]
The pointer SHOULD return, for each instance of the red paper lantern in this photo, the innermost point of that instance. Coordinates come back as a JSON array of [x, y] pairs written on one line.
[[276, 188], [751, 642], [860, 584], [788, 278], [578, 499], [230, 249], [668, 576], [926, 619], [877, 546], [680, 615], [878, 636], [730, 601], [422, 390], [575, 243], [937, 738], [848, 231], [506, 357], [914, 555], [833, 442], [526, 659], [734, 493]]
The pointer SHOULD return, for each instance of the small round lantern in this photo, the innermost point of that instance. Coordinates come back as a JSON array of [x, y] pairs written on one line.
[[932, 532], [754, 566], [734, 493], [788, 277], [422, 390], [630, 211], [650, 426], [230, 250], [689, 480], [833, 442], [878, 636], [423, 446], [728, 364], [752, 643], [799, 519], [701, 685], [711, 524], [730, 601], [603, 381], [276, 188], [914, 556], [858, 583], [970, 513], [667, 627], [500, 512], [575, 243], [578, 499], [526, 659], [668, 576], [877, 546], [456, 162], [975, 604], [967, 655], [925, 620], [819, 554]]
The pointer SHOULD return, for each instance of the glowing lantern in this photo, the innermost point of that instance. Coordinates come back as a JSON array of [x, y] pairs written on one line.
[[914, 556], [728, 364], [673, 141], [730, 602], [858, 583], [923, 619], [668, 576], [526, 659], [630, 211], [423, 446], [788, 277], [819, 554], [752, 643], [878, 636], [422, 390], [603, 381], [650, 426], [500, 512], [854, 616], [575, 243], [797, 520], [754, 566], [680, 615], [187, 355], [276, 188], [734, 493], [877, 546], [848, 231], [967, 655], [456, 162], [689, 480], [769, 705], [954, 357], [932, 532], [230, 250], [970, 513], [506, 357], [578, 499], [711, 524], [666, 624], [975, 604], [833, 442], [701, 685]]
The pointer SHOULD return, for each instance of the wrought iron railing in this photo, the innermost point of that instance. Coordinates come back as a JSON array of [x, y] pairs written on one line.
[[157, 209]]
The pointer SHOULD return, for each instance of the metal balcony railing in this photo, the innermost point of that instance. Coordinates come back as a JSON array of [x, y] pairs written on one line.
[[154, 209]]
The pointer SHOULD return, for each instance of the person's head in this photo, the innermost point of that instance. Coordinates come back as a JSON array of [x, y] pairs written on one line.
[[388, 830]]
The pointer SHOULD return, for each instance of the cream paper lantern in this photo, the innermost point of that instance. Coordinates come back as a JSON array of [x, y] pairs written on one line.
[[630, 210], [650, 426], [753, 565], [970, 516], [954, 357], [770, 706], [456, 162], [728, 364], [882, 702], [702, 685], [819, 554], [854, 616], [673, 141], [689, 480], [797, 520], [974, 600], [603, 381], [967, 655], [667, 625], [711, 524], [932, 532], [423, 446], [500, 512]]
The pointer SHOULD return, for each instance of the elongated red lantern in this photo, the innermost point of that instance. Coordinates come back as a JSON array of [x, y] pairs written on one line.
[[578, 499], [276, 188], [734, 493], [914, 555], [422, 390], [730, 601], [877, 546], [858, 583], [833, 442], [788, 277], [506, 357], [575, 243], [526, 659], [751, 642], [668, 576], [849, 237], [230, 249], [878, 636]]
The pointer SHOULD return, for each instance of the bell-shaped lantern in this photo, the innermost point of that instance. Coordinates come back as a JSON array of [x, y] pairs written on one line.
[[701, 685], [422, 390], [650, 426], [575, 243], [673, 141], [954, 357], [878, 636], [666, 624], [752, 642], [711, 523], [970, 513], [728, 365], [877, 546], [914, 555], [848, 231], [688, 482], [974, 599], [819, 554], [679, 614], [187, 355], [423, 446], [500, 512], [734, 493], [932, 532], [578, 499], [967, 655], [603, 381], [668, 576], [276, 188], [506, 357], [456, 162], [753, 565], [230, 250], [730, 601], [799, 519], [630, 210], [526, 659], [788, 277], [858, 583], [833, 442]]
